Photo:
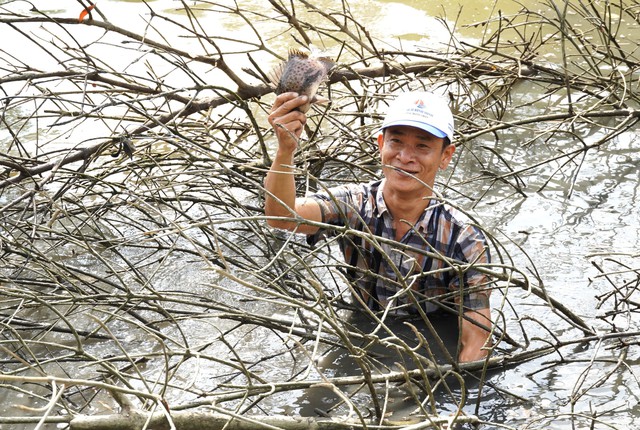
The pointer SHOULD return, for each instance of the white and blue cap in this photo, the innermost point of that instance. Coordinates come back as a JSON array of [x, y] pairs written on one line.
[[424, 110]]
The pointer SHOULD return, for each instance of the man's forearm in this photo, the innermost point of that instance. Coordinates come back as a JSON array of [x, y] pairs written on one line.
[[280, 198], [475, 338]]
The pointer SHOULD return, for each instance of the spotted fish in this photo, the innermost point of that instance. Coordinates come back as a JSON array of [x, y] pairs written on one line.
[[301, 73]]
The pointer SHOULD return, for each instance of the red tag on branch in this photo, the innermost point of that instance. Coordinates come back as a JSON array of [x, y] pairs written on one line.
[[85, 12]]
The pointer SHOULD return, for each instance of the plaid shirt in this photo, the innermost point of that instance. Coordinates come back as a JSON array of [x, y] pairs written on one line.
[[401, 276]]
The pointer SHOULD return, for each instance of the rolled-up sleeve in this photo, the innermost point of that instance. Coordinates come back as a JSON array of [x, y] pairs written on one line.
[[471, 247]]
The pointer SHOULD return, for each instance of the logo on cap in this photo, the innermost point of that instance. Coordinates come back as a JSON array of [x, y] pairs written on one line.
[[419, 109]]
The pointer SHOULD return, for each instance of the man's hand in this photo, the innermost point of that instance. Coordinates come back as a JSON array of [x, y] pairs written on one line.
[[287, 121]]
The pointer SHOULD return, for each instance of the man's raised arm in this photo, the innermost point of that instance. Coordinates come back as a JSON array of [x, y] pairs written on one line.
[[280, 199]]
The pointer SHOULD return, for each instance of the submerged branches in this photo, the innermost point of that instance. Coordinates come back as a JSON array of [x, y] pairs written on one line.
[[137, 271]]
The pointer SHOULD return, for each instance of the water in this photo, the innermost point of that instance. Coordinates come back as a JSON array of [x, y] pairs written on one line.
[[572, 219]]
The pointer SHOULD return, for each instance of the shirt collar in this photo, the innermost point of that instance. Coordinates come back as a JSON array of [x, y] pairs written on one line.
[[382, 206]]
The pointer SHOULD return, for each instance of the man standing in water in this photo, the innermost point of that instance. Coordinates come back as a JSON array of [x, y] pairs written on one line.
[[415, 142]]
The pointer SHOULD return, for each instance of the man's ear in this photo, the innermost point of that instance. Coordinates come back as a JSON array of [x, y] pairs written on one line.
[[447, 155], [380, 141]]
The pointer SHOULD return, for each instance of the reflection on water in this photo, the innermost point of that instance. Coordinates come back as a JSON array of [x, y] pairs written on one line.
[[380, 354], [404, 402]]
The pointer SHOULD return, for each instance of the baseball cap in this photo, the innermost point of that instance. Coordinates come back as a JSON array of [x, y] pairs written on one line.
[[421, 109]]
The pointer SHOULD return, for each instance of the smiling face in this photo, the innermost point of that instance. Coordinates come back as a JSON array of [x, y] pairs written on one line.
[[411, 157]]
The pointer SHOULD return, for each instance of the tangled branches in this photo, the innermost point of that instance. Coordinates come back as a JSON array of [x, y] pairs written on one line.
[[137, 269]]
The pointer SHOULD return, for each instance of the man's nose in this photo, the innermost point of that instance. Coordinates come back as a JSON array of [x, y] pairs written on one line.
[[407, 153]]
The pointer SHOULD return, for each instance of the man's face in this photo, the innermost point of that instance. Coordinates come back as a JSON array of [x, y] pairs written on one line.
[[411, 156]]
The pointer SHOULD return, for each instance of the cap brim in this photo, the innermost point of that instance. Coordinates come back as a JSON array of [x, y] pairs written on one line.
[[422, 126]]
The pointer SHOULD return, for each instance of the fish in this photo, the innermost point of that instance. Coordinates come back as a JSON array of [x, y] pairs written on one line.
[[302, 73]]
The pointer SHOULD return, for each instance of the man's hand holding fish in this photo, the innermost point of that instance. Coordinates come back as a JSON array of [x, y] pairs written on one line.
[[288, 121]]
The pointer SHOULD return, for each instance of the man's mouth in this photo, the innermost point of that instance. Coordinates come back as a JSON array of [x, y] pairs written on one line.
[[406, 172]]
